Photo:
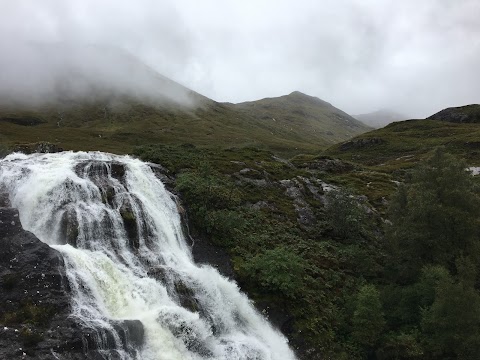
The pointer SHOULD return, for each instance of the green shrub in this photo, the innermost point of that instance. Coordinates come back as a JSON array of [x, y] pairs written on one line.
[[278, 270]]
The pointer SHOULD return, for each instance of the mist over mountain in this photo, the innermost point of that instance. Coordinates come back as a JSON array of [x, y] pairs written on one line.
[[380, 118], [45, 73]]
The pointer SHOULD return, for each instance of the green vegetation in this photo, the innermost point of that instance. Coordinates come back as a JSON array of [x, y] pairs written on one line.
[[433, 280], [354, 286], [368, 319], [29, 314], [119, 124], [302, 117], [308, 271], [402, 144]]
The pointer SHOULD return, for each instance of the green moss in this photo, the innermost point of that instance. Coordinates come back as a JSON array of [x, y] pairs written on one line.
[[29, 313]]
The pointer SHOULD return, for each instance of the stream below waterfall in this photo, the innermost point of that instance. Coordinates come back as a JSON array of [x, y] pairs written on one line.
[[127, 261]]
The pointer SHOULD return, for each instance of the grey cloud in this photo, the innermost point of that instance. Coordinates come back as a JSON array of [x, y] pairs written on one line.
[[411, 56]]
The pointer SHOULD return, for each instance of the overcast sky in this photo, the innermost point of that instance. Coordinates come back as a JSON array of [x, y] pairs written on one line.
[[413, 56]]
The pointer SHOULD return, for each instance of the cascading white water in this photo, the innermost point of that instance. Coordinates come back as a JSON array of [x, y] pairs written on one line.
[[126, 259]]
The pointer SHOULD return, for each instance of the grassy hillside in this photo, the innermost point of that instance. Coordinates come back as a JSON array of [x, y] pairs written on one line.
[[119, 126], [100, 106], [304, 118], [403, 143], [461, 114]]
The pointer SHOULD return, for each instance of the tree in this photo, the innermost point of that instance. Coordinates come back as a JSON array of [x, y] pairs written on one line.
[[435, 216], [368, 318], [452, 324], [345, 214]]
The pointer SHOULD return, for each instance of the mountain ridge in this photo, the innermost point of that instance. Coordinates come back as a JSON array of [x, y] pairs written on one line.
[[142, 106]]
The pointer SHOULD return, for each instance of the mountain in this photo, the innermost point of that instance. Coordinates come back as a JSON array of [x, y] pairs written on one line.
[[401, 144], [113, 102], [380, 118], [303, 117]]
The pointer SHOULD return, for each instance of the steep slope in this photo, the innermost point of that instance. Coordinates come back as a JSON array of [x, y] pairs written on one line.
[[303, 117], [401, 144], [380, 118]]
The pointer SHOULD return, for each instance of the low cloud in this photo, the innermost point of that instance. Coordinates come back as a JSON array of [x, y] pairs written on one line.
[[414, 57]]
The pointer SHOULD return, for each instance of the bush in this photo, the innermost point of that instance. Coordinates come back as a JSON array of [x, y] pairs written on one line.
[[278, 270]]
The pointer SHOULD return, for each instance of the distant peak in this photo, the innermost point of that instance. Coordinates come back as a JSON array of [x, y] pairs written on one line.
[[297, 93], [307, 98]]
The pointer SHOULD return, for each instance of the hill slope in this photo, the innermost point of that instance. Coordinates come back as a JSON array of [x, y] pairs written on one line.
[[461, 114], [303, 117], [403, 143], [114, 102]]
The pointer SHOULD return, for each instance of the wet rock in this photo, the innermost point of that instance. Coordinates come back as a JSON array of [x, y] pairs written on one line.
[[130, 225], [35, 299], [4, 200], [35, 315], [69, 227], [159, 273], [108, 195], [186, 296], [163, 175], [97, 341], [117, 170], [206, 253], [101, 171], [134, 333], [187, 333], [279, 316]]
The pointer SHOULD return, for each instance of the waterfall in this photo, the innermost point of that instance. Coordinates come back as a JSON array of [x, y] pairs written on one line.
[[127, 262]]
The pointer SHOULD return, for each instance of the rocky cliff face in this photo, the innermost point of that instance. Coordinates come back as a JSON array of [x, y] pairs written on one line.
[[35, 317], [34, 296]]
